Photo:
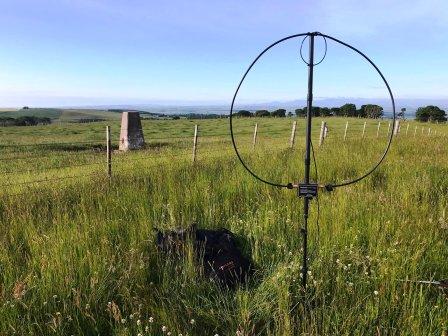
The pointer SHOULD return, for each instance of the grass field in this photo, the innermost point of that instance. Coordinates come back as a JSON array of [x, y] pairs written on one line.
[[77, 253]]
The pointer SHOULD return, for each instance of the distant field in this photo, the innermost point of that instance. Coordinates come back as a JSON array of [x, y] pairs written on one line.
[[77, 251], [62, 115]]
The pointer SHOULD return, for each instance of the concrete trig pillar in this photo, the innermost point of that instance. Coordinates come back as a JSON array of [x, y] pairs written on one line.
[[131, 134]]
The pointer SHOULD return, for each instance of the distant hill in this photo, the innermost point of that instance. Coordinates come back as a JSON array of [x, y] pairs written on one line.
[[52, 113], [69, 115]]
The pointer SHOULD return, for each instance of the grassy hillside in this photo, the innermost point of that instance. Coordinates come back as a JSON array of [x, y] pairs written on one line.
[[51, 113], [77, 253], [76, 114], [62, 115]]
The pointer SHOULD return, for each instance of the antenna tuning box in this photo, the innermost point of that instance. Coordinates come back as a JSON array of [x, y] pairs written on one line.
[[308, 190]]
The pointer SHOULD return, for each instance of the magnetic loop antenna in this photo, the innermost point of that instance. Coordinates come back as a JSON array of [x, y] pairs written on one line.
[[308, 189]]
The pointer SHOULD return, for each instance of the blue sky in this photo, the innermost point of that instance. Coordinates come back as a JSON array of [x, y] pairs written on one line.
[[86, 52]]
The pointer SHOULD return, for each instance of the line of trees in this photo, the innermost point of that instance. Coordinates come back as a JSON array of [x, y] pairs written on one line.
[[428, 113], [24, 121], [89, 120], [347, 110], [279, 113]]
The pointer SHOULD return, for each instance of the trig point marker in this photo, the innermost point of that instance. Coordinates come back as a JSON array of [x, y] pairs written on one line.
[[131, 134]]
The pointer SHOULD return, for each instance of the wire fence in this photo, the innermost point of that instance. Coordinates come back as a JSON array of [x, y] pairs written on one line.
[[180, 148]]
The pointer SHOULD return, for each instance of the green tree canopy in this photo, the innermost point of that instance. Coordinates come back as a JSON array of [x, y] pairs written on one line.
[[315, 111], [430, 113], [300, 112], [325, 112], [336, 111], [243, 113], [348, 110], [371, 111], [262, 113], [24, 121], [279, 113]]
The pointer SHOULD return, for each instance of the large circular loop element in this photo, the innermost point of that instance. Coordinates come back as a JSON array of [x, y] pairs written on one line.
[[329, 186]]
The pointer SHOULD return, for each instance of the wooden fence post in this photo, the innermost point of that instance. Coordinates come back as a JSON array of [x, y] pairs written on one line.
[[388, 129], [108, 152], [345, 132], [415, 131], [396, 127], [407, 129], [195, 142], [423, 129], [364, 129], [293, 134], [429, 131], [378, 129], [322, 131], [254, 140]]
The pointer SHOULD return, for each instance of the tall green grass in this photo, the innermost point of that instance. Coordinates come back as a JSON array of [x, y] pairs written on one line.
[[77, 257]]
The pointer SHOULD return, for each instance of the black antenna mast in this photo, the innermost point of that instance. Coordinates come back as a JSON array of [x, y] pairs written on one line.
[[307, 190]]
